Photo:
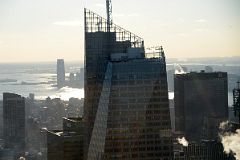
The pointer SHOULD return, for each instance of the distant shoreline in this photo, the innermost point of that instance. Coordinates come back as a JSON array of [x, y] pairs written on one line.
[[194, 60]]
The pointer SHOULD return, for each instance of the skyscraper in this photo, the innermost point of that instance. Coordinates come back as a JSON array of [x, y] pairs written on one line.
[[236, 102], [66, 144], [1, 120], [14, 122], [206, 150], [201, 104], [126, 105], [60, 73]]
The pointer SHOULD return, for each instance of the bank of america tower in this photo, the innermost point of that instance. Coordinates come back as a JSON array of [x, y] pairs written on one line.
[[126, 108]]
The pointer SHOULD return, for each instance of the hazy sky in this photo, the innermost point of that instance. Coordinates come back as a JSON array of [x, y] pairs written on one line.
[[44, 30]]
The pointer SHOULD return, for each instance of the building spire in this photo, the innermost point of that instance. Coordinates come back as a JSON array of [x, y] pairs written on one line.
[[109, 14]]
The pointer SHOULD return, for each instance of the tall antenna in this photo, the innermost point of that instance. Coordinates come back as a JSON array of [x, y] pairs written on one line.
[[109, 14]]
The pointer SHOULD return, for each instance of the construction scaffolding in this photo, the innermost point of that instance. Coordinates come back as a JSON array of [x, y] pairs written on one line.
[[96, 23], [155, 52]]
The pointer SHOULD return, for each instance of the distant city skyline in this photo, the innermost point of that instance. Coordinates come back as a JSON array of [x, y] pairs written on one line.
[[46, 30]]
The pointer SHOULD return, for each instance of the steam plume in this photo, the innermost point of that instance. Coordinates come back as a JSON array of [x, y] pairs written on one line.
[[230, 141], [182, 141]]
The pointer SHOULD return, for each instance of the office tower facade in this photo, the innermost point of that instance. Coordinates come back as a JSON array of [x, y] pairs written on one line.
[[67, 144], [60, 73], [14, 122], [201, 104], [74, 133], [1, 120], [126, 106], [236, 102], [139, 125], [54, 145], [6, 154], [207, 150]]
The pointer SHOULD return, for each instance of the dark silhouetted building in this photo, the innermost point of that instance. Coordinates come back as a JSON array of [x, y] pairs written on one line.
[[67, 144], [236, 102], [126, 105], [206, 150], [1, 120], [54, 145], [7, 154], [60, 73], [14, 123], [73, 133], [201, 104]]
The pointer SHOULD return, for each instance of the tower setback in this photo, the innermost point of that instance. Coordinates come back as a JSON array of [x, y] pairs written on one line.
[[126, 108]]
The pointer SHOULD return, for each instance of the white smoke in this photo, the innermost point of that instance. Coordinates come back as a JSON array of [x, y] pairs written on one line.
[[224, 126], [230, 141], [182, 141], [179, 69]]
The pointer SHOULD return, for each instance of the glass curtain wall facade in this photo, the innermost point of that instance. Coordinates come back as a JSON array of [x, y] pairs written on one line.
[[127, 116], [201, 99], [139, 125], [14, 123], [99, 44], [98, 139]]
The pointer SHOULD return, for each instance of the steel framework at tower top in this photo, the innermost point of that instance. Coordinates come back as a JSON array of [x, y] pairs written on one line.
[[96, 23]]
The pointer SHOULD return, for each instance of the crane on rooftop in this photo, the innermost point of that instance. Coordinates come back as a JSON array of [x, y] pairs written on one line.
[[109, 14]]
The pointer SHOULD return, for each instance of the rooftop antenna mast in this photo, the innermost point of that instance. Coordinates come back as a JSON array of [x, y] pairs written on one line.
[[109, 14]]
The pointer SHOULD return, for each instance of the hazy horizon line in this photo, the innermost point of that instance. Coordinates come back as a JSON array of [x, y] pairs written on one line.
[[82, 61]]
